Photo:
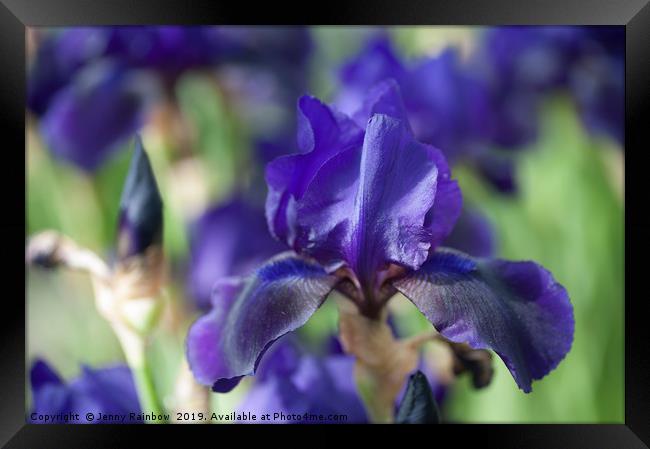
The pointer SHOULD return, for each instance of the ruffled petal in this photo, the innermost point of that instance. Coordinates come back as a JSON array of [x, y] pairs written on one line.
[[246, 318], [515, 308], [322, 134]]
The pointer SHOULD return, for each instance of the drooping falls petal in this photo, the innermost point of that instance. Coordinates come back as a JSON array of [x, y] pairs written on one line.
[[249, 315], [516, 309]]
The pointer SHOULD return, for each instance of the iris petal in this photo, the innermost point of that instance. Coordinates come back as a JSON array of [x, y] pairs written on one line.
[[362, 208], [89, 119], [322, 134], [228, 240], [515, 308], [248, 316]]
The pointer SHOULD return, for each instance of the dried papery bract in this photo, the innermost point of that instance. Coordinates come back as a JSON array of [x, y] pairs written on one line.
[[128, 295], [383, 363], [190, 397]]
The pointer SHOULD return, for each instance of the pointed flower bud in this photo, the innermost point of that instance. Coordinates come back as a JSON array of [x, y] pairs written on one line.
[[418, 405], [138, 274], [140, 223]]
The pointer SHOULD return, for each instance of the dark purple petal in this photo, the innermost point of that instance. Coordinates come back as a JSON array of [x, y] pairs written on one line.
[[397, 186], [41, 374], [376, 62], [226, 385], [599, 88], [498, 168], [58, 58], [448, 107], [228, 240], [362, 209], [108, 390], [112, 389], [515, 308], [285, 45], [322, 134], [141, 216], [169, 50], [93, 116], [383, 98], [447, 205], [278, 298], [307, 384], [473, 234]]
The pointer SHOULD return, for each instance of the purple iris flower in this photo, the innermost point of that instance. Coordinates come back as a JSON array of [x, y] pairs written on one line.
[[108, 390], [446, 105], [227, 240], [291, 381], [364, 210], [93, 87], [521, 64]]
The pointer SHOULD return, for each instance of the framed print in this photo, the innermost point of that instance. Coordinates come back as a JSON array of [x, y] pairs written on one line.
[[410, 214]]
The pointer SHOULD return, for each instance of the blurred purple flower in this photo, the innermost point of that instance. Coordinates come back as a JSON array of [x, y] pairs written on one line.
[[521, 64], [365, 210], [598, 86], [472, 234], [99, 391], [446, 105], [88, 120], [82, 81], [227, 240], [295, 382]]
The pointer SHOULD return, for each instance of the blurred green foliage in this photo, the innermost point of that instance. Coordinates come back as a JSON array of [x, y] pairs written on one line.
[[567, 215]]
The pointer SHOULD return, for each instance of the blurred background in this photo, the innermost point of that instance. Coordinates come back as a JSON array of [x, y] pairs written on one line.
[[530, 118]]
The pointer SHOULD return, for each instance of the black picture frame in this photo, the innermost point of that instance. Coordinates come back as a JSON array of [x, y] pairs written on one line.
[[634, 15]]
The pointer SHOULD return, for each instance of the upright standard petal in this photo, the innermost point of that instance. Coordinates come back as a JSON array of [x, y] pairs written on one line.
[[376, 62], [372, 206], [322, 134], [140, 218], [397, 187], [277, 298], [515, 308]]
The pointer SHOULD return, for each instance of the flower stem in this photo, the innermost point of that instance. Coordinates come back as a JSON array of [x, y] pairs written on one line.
[[149, 400], [133, 345]]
